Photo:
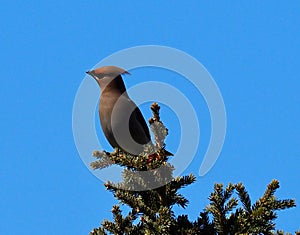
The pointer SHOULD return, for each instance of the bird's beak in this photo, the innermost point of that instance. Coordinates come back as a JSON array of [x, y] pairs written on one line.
[[90, 72]]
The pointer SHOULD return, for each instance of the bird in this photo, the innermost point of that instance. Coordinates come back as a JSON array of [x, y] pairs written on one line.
[[121, 120]]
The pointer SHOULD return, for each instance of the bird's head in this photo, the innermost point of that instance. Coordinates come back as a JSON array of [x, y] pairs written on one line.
[[109, 76], [106, 71]]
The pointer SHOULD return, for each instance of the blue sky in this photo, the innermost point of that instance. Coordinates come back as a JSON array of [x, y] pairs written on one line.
[[250, 48]]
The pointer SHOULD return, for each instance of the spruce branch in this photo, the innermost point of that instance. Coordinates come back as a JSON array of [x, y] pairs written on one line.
[[151, 191], [244, 197]]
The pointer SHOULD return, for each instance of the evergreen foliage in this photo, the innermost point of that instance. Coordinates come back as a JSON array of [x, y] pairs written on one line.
[[150, 191]]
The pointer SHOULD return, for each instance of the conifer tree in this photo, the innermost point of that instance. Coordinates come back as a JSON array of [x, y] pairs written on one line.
[[150, 191], [257, 218]]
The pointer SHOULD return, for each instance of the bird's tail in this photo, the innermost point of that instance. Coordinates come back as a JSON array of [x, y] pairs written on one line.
[[167, 153]]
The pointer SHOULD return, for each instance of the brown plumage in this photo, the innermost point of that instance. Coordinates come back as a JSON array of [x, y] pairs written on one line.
[[121, 120]]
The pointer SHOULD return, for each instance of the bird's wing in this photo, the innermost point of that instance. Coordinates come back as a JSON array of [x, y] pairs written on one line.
[[122, 122], [138, 127]]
